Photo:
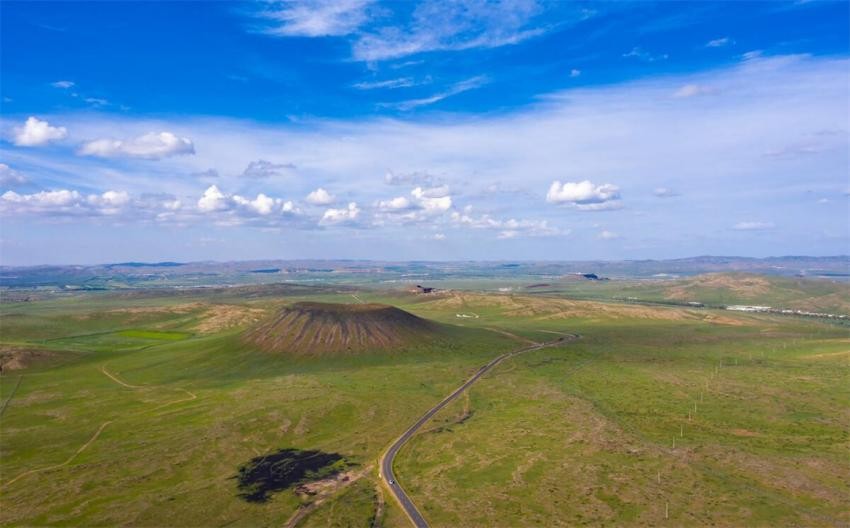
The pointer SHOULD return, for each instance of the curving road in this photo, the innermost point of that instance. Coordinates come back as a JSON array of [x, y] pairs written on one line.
[[386, 465]]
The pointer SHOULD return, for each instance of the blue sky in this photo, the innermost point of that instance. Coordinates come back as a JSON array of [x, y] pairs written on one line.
[[435, 130]]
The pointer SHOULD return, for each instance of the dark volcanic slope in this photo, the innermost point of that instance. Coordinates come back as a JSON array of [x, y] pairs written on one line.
[[318, 328]]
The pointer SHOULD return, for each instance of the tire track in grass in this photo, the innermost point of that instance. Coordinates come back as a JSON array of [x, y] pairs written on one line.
[[116, 379], [120, 382], [65, 463], [11, 395]]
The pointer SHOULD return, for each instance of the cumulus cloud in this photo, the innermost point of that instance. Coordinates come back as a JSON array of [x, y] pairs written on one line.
[[608, 235], [36, 132], [262, 204], [753, 226], [9, 177], [584, 195], [575, 73], [151, 146], [63, 202], [340, 216], [510, 228], [424, 205], [214, 200], [64, 85], [399, 203], [265, 169], [320, 197], [434, 199]]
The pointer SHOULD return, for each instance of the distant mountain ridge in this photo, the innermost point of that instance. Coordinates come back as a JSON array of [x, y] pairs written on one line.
[[134, 274]]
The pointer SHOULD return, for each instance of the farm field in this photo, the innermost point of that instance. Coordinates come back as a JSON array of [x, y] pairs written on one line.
[[149, 409]]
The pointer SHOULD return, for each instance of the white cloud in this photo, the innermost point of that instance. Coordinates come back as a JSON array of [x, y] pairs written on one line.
[[262, 204], [36, 132], [511, 228], [152, 146], [575, 73], [320, 197], [64, 85], [584, 195], [322, 18], [212, 200], [399, 203], [438, 236], [601, 133], [719, 42], [63, 202], [445, 26], [9, 177], [608, 235], [753, 226], [434, 199], [378, 34], [403, 82], [691, 90], [96, 101], [339, 216], [455, 89], [110, 202], [641, 54]]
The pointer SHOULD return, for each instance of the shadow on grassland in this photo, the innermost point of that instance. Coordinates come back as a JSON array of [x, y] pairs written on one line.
[[283, 469]]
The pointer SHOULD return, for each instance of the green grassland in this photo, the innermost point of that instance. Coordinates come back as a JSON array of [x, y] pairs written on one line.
[[145, 410], [818, 295]]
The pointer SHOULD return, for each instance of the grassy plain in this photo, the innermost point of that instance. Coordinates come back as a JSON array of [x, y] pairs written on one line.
[[145, 410]]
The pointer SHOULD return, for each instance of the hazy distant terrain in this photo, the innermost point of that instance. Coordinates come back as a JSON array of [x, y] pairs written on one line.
[[162, 274]]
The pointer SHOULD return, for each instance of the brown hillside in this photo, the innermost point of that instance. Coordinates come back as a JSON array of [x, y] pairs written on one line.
[[308, 328]]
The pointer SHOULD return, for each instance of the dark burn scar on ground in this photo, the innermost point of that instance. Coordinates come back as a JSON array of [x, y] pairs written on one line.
[[283, 469]]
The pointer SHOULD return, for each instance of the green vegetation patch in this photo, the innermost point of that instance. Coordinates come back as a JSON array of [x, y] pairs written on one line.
[[154, 334], [284, 469]]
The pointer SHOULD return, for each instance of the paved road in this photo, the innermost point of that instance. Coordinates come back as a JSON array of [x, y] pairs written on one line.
[[389, 457]]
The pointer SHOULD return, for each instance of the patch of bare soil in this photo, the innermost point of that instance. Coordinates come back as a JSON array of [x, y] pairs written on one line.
[[16, 358], [220, 317], [722, 319], [829, 355], [742, 285]]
